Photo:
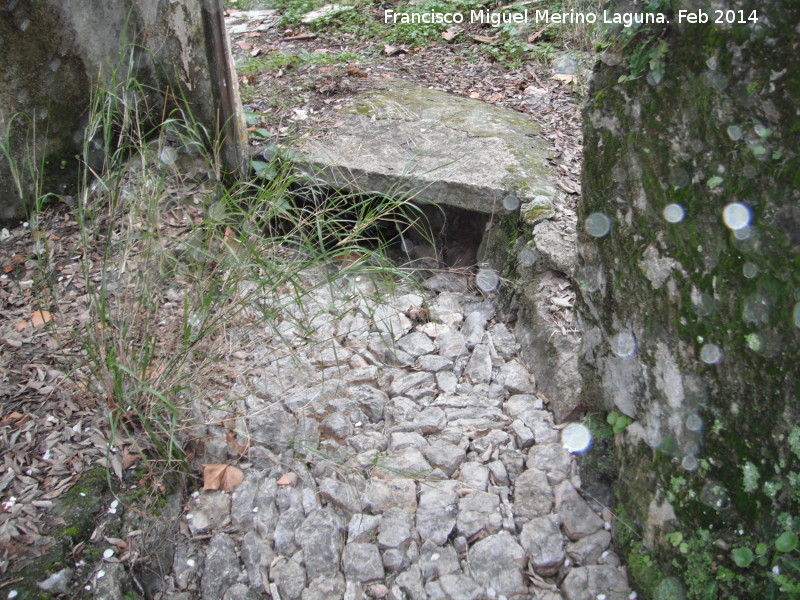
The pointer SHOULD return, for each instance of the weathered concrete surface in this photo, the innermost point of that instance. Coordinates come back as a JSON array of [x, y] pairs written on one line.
[[56, 52], [538, 269], [552, 348], [442, 148], [689, 303]]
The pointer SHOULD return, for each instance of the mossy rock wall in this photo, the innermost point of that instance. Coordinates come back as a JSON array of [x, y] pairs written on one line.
[[691, 320]]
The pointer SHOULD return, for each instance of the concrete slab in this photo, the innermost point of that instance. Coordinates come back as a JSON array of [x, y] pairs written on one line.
[[403, 138]]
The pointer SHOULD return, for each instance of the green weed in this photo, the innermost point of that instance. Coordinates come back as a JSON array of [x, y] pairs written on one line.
[[618, 421], [510, 44], [247, 4], [168, 262]]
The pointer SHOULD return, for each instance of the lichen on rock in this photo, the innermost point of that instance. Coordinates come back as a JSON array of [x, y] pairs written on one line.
[[696, 170]]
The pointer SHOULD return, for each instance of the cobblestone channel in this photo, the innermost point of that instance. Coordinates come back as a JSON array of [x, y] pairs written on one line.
[[398, 450]]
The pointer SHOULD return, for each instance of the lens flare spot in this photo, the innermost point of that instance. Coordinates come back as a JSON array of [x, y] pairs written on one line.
[[714, 495], [487, 280], [750, 270], [511, 202], [690, 463], [711, 354], [528, 257], [589, 278], [670, 588], [674, 213], [762, 131], [623, 344], [576, 437], [735, 132], [736, 215], [704, 304], [757, 308], [745, 233], [653, 438], [694, 422], [598, 224]]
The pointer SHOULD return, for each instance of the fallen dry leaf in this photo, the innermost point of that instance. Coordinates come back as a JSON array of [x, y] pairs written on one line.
[[16, 260], [16, 419], [234, 447], [354, 71], [301, 36], [119, 543], [561, 302], [567, 188], [390, 50], [532, 37], [565, 78], [229, 237], [116, 464], [40, 317], [288, 479], [226, 477], [128, 458], [451, 33]]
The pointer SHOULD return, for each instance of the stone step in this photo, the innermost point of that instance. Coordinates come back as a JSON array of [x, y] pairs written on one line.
[[400, 137]]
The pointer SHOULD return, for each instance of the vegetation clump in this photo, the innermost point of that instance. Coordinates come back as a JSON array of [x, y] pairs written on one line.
[[508, 42]]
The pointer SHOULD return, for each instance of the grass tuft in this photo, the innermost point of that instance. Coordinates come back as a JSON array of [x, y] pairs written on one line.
[[172, 262]]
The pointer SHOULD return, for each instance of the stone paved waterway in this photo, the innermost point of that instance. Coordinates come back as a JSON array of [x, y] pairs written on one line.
[[396, 448]]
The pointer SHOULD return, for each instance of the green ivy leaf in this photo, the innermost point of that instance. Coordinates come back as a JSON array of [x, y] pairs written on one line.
[[761, 549], [742, 557], [675, 538], [786, 542]]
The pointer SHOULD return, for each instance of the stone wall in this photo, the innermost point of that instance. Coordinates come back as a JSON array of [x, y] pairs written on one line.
[[55, 54], [689, 234]]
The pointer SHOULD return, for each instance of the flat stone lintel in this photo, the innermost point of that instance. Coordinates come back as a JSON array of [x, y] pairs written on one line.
[[405, 139]]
